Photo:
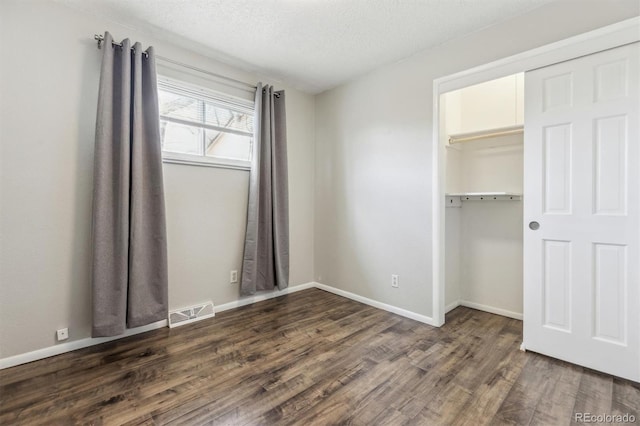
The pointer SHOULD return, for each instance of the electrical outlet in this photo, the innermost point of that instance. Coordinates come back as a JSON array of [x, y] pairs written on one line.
[[395, 281], [233, 277], [63, 334]]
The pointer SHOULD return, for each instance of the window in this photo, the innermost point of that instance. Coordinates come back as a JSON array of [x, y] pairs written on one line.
[[200, 126]]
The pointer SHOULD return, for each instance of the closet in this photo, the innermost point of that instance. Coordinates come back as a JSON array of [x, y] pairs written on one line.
[[483, 137], [542, 196]]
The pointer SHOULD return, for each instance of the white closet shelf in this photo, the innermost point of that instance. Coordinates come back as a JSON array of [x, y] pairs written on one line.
[[455, 199], [486, 134]]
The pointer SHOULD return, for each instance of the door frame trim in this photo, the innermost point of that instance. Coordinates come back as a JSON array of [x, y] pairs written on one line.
[[608, 37]]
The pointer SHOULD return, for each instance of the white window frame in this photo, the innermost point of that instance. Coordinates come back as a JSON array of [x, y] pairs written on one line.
[[212, 96]]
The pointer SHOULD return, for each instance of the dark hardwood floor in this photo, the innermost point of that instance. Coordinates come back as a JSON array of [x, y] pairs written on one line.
[[313, 358]]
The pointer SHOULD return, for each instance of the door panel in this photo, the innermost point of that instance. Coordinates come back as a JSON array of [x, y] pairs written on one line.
[[557, 285], [582, 185], [557, 91], [610, 165], [610, 264], [557, 169], [611, 80]]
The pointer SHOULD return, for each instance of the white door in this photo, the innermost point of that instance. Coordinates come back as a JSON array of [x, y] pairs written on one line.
[[582, 192]]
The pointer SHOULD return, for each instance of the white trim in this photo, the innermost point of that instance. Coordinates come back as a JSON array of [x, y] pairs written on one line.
[[510, 314], [199, 160], [61, 348], [262, 296], [608, 37], [491, 309], [390, 308], [451, 306], [74, 345], [438, 215], [89, 341]]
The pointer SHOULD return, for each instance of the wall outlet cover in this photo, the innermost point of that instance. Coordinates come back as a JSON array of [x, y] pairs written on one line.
[[62, 334]]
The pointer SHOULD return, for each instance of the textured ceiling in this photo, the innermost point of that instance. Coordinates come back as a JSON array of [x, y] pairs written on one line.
[[313, 45]]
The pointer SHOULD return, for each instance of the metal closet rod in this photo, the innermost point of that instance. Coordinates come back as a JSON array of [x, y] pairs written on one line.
[[100, 39]]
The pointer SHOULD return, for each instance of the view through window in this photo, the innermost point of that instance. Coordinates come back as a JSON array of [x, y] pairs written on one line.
[[198, 125]]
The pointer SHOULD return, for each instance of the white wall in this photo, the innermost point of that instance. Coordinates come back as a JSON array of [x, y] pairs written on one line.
[[372, 175], [453, 257], [49, 74], [449, 121], [484, 238], [373, 155], [490, 105], [491, 255]]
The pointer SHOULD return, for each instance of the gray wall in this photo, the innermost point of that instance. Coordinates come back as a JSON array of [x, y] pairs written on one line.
[[359, 198], [49, 74], [373, 154]]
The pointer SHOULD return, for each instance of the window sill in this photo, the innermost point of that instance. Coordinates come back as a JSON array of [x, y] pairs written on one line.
[[221, 163]]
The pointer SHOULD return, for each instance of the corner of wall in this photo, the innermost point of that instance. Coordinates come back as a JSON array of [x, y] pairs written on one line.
[[314, 141]]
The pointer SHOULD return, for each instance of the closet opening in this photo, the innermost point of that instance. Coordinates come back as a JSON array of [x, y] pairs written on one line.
[[481, 136], [565, 242]]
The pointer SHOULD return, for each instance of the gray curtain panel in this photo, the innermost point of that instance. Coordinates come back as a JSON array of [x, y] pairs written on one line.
[[266, 247], [129, 275]]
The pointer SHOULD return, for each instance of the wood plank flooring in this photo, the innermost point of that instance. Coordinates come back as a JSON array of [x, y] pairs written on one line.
[[313, 358]]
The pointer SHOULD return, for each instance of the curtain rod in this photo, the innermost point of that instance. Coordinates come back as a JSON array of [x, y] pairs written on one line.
[[100, 39]]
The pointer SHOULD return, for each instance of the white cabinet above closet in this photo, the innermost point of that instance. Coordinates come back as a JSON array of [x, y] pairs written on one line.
[[495, 105]]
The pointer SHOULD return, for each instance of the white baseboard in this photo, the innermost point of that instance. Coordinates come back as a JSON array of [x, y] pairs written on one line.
[[262, 296], [491, 309], [61, 348], [390, 308], [451, 306], [89, 341]]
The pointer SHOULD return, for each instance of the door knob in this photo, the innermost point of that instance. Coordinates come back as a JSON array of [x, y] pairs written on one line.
[[534, 226]]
